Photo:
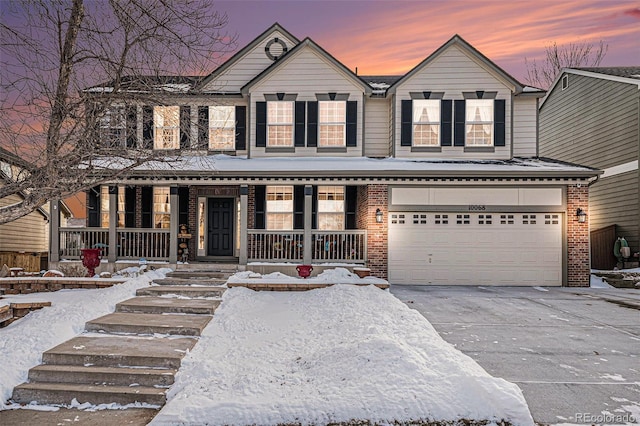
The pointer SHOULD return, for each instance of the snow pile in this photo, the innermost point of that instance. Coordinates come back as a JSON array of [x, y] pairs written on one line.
[[329, 276], [330, 355], [22, 342]]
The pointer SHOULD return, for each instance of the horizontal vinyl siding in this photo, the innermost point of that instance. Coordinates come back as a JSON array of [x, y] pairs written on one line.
[[614, 200], [453, 72], [524, 126], [305, 75], [377, 124], [593, 122], [30, 233], [245, 68]]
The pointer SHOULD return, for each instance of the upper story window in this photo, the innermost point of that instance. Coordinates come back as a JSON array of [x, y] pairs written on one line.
[[161, 207], [104, 207], [279, 207], [331, 123], [166, 134], [426, 122], [222, 127], [113, 127], [479, 122], [280, 123], [331, 208]]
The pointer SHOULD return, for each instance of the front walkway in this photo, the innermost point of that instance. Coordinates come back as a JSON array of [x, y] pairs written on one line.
[[573, 352]]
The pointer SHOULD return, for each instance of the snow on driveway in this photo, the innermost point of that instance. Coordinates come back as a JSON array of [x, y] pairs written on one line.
[[330, 355]]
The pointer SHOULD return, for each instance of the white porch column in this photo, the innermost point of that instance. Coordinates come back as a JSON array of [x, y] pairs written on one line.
[[244, 223], [308, 211], [54, 230], [113, 222], [174, 207]]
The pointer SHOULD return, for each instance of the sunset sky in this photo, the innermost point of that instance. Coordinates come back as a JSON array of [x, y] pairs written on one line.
[[390, 37]]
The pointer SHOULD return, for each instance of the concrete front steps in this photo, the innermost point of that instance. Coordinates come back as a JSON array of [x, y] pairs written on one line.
[[132, 355]]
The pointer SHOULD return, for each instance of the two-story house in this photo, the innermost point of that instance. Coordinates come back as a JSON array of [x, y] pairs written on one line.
[[591, 116], [286, 155]]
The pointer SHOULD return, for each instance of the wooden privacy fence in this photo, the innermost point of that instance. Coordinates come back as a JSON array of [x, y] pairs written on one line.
[[602, 241], [30, 262]]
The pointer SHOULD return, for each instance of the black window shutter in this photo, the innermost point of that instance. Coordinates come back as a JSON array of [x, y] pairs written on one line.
[[132, 126], [147, 127], [406, 122], [260, 206], [312, 123], [185, 127], [352, 123], [203, 127], [147, 207], [314, 208], [445, 122], [459, 130], [183, 206], [350, 203], [93, 207], [241, 128], [298, 207], [130, 207], [261, 125], [499, 114], [300, 123], [93, 123]]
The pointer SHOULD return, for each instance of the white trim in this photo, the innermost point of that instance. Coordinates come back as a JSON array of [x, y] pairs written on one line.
[[619, 169]]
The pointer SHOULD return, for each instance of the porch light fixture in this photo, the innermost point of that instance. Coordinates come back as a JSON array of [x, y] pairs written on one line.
[[378, 216], [581, 215]]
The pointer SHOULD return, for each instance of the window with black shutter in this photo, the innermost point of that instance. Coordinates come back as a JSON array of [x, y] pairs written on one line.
[[241, 128], [261, 124], [260, 205], [352, 123]]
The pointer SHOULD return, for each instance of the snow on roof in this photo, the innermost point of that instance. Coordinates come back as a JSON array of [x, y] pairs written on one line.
[[363, 166]]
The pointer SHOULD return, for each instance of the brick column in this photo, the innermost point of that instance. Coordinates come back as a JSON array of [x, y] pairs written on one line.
[[578, 264], [377, 197]]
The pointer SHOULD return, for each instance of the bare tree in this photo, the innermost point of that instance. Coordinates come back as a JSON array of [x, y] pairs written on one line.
[[580, 54], [56, 55]]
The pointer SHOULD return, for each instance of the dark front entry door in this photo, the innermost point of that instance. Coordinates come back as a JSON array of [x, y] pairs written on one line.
[[220, 232]]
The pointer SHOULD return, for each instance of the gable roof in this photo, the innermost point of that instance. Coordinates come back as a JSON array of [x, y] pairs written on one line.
[[307, 42], [244, 50], [629, 75], [458, 41]]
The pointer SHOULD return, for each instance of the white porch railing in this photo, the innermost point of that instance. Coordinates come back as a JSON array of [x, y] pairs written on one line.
[[274, 246], [348, 246], [72, 240], [151, 244]]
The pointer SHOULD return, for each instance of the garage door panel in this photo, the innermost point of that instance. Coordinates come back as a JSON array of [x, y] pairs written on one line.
[[476, 249]]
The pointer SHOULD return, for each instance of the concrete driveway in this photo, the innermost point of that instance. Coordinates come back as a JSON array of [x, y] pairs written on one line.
[[575, 353]]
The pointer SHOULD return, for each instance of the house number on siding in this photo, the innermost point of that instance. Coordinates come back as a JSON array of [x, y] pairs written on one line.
[[477, 207]]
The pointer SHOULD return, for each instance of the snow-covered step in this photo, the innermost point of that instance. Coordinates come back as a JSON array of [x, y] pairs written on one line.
[[119, 351], [190, 281], [174, 324], [200, 274], [189, 291], [64, 393], [114, 376], [159, 305]]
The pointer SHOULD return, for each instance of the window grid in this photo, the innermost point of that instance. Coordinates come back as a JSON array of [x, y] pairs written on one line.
[[479, 122], [331, 208], [332, 123], [426, 122], [280, 123], [161, 207], [105, 207], [113, 127], [485, 219], [166, 121], [442, 219], [222, 127], [279, 207], [463, 219]]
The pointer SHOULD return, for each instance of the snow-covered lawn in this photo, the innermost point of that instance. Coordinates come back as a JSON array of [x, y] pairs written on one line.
[[330, 355], [22, 342]]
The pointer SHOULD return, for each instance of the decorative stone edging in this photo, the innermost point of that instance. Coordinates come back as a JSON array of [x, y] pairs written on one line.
[[25, 285]]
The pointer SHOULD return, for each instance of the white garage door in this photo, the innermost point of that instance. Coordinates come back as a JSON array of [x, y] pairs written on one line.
[[475, 248]]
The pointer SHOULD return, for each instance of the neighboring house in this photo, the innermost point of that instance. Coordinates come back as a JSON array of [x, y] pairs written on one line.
[[591, 116], [286, 155], [28, 235]]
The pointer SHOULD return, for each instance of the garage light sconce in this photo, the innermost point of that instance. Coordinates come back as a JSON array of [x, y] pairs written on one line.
[[581, 215], [378, 216]]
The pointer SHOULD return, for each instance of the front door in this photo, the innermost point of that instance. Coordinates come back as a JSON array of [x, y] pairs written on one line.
[[220, 227]]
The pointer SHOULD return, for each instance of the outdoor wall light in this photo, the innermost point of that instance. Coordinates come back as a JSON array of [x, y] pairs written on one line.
[[581, 215], [378, 216]]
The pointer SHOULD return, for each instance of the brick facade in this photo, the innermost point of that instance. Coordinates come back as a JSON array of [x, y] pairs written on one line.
[[371, 198], [578, 265]]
